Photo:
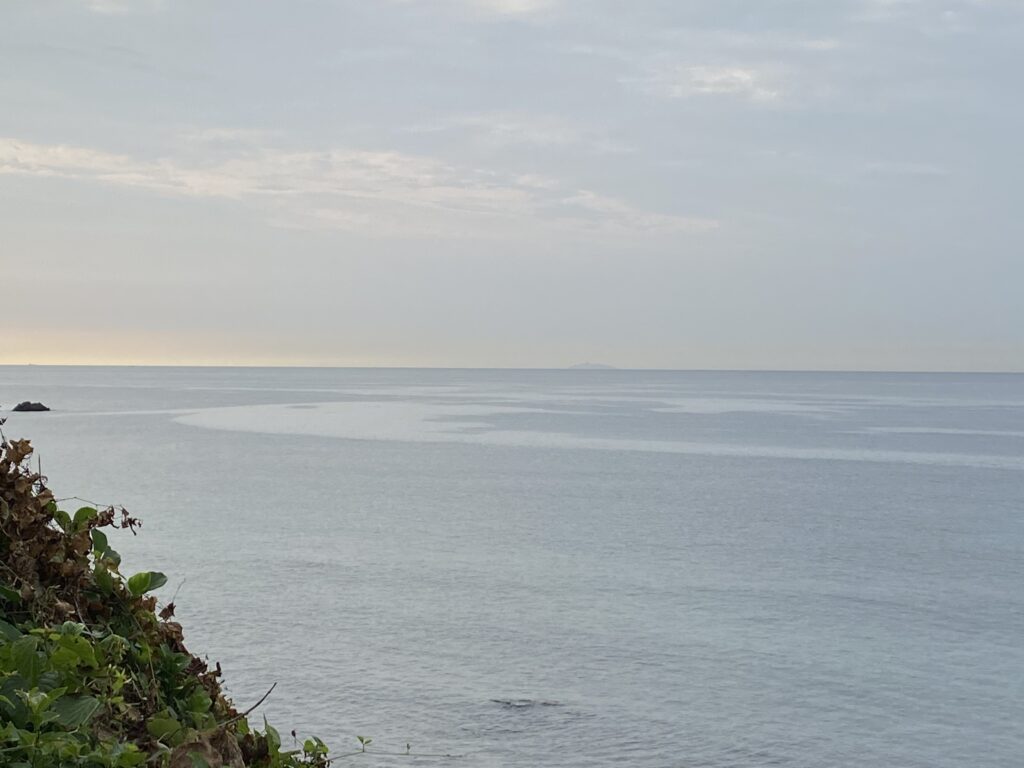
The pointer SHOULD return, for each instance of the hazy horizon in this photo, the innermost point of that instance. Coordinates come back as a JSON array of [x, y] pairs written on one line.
[[577, 367], [684, 185]]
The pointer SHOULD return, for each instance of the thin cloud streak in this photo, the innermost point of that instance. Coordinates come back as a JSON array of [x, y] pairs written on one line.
[[680, 81], [114, 7], [510, 129], [352, 190], [497, 8], [512, 7]]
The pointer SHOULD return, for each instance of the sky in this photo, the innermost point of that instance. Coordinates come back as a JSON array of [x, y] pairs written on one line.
[[737, 184]]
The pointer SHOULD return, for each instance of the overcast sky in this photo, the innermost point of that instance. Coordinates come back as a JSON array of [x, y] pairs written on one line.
[[654, 183]]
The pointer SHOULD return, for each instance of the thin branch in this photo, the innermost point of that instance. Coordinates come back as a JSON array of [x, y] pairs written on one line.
[[87, 501], [247, 712], [358, 752], [175, 595]]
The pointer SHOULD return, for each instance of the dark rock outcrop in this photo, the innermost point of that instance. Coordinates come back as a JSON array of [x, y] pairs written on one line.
[[29, 406]]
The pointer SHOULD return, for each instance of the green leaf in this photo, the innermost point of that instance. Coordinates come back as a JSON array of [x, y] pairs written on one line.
[[156, 580], [64, 660], [8, 632], [63, 520], [161, 727], [141, 583], [99, 541], [73, 711], [81, 647], [51, 696], [14, 708], [130, 757], [49, 679], [82, 515], [103, 579], [199, 703], [10, 595], [273, 737], [101, 549], [72, 628], [27, 661]]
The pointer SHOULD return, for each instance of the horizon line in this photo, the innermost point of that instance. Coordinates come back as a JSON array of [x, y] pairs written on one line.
[[605, 370]]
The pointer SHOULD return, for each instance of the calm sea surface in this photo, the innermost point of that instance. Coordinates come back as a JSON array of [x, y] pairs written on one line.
[[578, 568]]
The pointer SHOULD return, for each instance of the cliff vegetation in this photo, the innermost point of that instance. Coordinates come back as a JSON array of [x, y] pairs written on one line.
[[93, 672]]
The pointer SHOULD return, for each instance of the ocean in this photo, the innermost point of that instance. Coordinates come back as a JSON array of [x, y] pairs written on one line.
[[577, 568]]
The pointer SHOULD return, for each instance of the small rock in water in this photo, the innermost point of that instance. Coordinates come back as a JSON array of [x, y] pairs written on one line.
[[524, 703], [30, 406]]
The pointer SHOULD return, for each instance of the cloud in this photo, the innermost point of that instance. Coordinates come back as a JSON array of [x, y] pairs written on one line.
[[512, 7], [732, 80], [509, 129], [356, 190], [902, 168], [950, 16], [818, 44], [617, 215], [123, 6], [677, 81], [212, 140], [500, 8]]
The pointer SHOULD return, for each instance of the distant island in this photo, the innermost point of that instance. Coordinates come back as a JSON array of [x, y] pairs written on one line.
[[592, 367], [28, 405]]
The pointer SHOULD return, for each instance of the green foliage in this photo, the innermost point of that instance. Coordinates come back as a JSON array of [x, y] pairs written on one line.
[[90, 674], [141, 583]]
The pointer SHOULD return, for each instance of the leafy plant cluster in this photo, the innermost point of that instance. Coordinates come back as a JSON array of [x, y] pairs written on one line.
[[91, 674]]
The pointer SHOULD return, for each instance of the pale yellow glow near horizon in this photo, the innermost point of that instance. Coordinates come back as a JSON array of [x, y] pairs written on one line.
[[167, 349], [136, 348]]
